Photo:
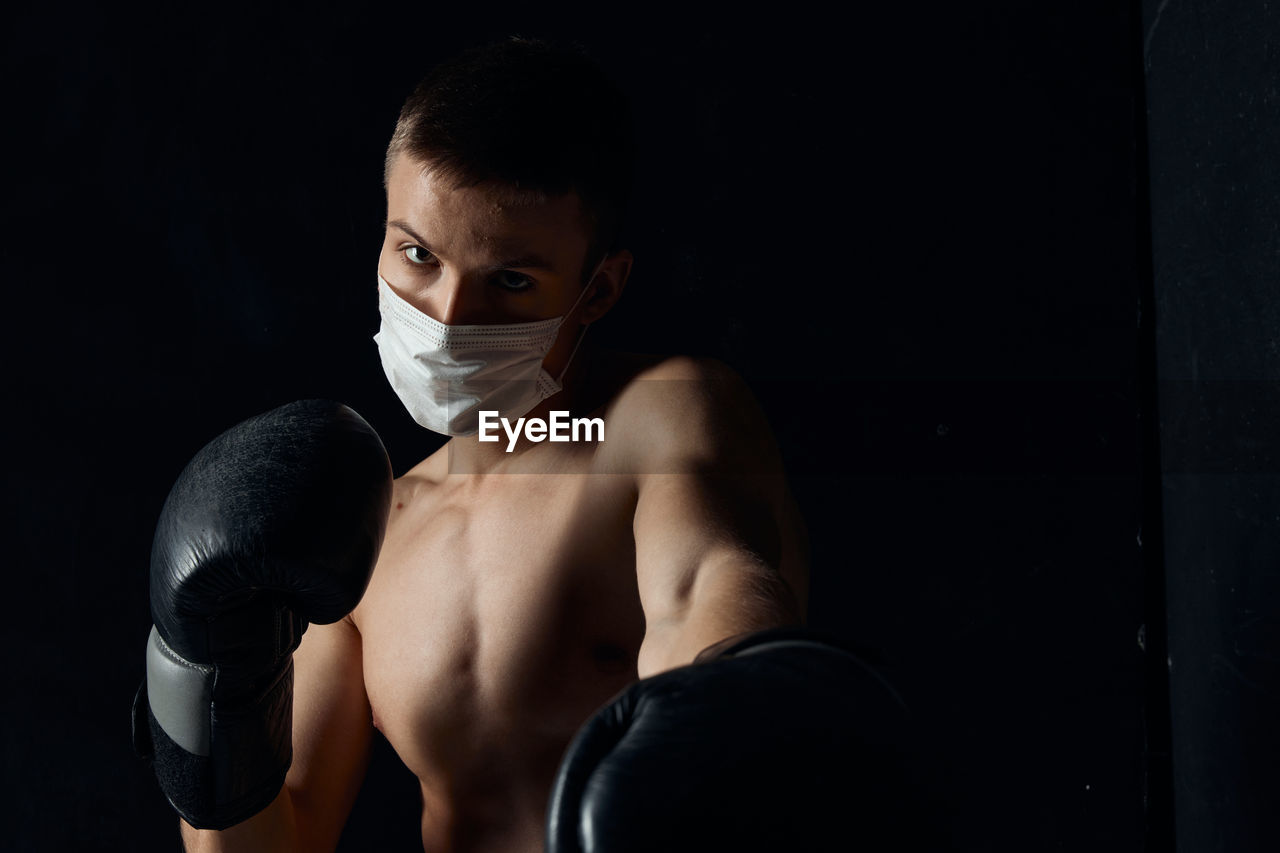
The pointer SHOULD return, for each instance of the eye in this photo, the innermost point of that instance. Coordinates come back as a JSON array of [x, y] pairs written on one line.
[[508, 280], [418, 256]]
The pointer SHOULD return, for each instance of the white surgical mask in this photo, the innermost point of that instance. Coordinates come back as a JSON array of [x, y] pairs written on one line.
[[445, 375]]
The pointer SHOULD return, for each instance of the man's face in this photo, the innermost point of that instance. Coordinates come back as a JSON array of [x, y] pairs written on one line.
[[473, 256]]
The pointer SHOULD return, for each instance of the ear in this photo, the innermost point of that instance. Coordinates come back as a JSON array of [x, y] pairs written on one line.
[[608, 284]]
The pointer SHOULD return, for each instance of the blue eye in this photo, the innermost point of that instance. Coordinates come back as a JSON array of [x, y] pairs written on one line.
[[419, 256], [509, 280]]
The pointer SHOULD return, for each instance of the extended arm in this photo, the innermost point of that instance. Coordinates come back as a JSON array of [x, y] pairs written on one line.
[[736, 737], [720, 546]]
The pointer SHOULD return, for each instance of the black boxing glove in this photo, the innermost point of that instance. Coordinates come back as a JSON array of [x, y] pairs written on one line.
[[274, 524], [775, 741]]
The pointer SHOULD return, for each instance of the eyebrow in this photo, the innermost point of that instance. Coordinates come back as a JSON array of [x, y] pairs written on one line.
[[525, 261]]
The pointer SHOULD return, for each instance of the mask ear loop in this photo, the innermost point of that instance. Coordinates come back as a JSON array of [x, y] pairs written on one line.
[[572, 354], [584, 328]]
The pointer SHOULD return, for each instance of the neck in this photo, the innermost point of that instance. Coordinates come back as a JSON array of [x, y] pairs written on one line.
[[468, 455]]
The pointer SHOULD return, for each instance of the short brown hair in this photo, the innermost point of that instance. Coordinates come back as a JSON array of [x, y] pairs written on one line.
[[536, 118]]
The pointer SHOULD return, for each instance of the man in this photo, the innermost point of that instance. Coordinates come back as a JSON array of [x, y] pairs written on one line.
[[522, 583]]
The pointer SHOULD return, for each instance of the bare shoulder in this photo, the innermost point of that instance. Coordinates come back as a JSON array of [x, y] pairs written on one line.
[[682, 392], [410, 494], [419, 485], [676, 410], [686, 368]]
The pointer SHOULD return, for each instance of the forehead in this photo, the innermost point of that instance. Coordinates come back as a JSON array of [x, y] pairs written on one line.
[[485, 218]]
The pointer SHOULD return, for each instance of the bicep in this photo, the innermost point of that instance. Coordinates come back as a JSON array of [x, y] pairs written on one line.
[[709, 478], [687, 523], [718, 549], [709, 564], [332, 730]]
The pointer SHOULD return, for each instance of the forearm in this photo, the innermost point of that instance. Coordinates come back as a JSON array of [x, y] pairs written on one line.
[[273, 829]]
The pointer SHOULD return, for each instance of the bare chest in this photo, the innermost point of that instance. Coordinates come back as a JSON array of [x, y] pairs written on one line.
[[498, 618]]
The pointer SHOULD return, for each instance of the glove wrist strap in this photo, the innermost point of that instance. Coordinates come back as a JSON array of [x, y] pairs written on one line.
[[217, 765]]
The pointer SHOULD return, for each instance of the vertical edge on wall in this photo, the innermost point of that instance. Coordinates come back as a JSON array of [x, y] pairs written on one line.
[[1157, 752]]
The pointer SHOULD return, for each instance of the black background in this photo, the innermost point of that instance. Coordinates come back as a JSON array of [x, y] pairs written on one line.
[[919, 231]]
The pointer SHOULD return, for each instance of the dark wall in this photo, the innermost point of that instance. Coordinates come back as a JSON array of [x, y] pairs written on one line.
[[915, 232], [1213, 97]]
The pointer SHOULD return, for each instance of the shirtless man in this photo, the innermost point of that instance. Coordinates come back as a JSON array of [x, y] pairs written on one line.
[[519, 588]]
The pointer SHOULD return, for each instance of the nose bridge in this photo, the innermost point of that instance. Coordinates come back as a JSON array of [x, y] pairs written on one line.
[[455, 299]]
